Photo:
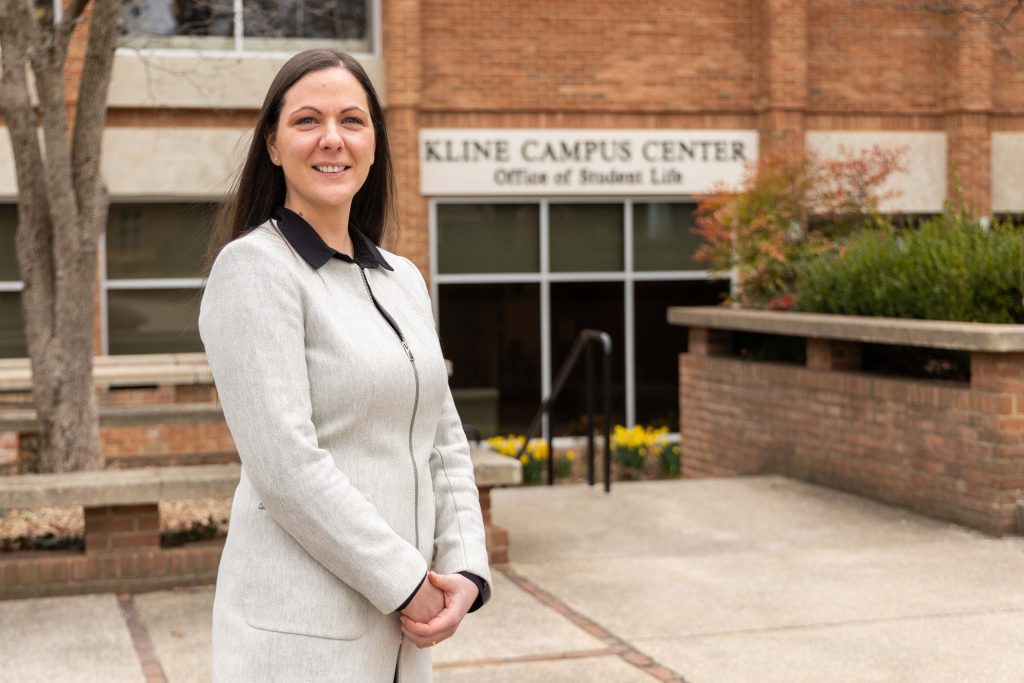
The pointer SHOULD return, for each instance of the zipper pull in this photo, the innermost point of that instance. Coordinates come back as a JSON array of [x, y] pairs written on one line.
[[408, 351]]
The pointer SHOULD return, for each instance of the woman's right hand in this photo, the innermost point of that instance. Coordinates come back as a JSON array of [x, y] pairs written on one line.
[[426, 604]]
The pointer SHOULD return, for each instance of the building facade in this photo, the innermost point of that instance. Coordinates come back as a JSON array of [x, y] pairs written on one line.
[[549, 157]]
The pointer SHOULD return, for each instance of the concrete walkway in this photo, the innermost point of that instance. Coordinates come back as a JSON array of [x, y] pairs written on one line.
[[714, 581]]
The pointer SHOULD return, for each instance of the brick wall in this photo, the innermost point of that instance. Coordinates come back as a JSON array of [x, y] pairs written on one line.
[[783, 76], [202, 442], [403, 38], [596, 55], [870, 59], [950, 450], [1008, 69], [133, 570], [8, 451], [167, 444]]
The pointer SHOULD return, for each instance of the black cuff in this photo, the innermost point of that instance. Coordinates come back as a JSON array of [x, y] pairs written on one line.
[[483, 590], [412, 595]]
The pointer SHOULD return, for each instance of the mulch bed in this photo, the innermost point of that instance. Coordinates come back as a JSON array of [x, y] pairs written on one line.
[[63, 528]]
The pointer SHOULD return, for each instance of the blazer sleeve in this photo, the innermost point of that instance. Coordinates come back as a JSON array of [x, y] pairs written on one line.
[[251, 323], [459, 538]]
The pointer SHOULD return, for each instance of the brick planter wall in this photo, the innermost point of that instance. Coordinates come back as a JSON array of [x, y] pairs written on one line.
[[198, 442], [33, 574], [950, 450], [161, 438], [123, 555], [167, 444], [496, 536]]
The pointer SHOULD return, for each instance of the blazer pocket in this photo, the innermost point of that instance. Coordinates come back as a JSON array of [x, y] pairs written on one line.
[[287, 591]]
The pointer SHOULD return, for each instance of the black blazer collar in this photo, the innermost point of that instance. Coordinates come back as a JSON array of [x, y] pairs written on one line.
[[314, 251]]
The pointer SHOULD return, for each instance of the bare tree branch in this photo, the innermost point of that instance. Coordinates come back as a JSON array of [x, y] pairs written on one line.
[[91, 116], [72, 17], [998, 13], [57, 162], [17, 38], [1013, 12]]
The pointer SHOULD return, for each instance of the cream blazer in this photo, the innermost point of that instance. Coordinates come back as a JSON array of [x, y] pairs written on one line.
[[356, 475]]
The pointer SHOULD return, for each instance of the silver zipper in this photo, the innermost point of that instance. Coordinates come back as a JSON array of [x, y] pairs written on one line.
[[415, 406]]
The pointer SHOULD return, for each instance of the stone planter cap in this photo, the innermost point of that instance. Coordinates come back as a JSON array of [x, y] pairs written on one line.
[[941, 334]]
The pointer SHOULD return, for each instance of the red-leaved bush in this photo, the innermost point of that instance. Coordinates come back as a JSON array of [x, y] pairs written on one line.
[[787, 211]]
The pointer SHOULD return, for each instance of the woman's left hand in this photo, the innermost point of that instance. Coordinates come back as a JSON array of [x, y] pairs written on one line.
[[459, 594]]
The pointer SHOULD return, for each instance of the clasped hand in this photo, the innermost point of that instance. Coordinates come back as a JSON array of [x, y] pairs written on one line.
[[437, 609]]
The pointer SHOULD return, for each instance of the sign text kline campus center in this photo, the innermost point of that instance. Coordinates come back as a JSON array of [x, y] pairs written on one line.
[[581, 162]]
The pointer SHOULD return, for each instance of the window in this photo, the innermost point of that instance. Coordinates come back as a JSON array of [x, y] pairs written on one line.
[[576, 306], [586, 237], [516, 281], [157, 240], [161, 320], [488, 238], [154, 269], [151, 286], [12, 333], [659, 344], [253, 25], [663, 237], [496, 378]]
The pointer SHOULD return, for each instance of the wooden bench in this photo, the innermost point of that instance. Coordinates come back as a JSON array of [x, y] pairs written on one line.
[[122, 526]]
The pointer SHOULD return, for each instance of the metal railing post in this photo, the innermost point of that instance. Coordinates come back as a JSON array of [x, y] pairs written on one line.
[[590, 414], [582, 345], [551, 444], [607, 363]]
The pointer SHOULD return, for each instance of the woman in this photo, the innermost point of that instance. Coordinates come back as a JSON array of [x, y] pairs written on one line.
[[356, 476]]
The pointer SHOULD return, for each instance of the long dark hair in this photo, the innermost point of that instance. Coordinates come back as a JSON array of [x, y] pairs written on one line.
[[260, 187]]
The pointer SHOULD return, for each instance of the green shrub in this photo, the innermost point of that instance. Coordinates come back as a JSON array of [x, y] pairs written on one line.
[[947, 268]]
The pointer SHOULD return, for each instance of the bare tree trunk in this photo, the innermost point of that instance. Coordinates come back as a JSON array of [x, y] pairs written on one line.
[[62, 208]]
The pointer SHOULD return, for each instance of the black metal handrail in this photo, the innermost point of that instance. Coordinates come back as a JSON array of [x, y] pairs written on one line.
[[584, 344]]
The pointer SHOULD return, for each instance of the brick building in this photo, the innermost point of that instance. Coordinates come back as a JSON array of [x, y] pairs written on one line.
[[548, 156]]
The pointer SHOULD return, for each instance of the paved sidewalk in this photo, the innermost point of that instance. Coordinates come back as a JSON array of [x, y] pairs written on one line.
[[713, 581]]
